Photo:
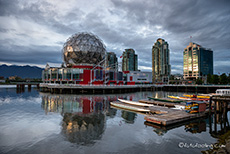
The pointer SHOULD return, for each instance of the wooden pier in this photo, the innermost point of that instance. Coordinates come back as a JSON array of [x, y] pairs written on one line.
[[162, 115], [172, 116], [158, 103], [221, 106], [92, 89], [21, 86]]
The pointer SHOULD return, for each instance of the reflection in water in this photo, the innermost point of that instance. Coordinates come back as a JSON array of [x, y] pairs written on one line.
[[87, 124], [129, 117], [219, 124], [219, 128], [194, 126], [83, 129], [84, 116], [72, 104]]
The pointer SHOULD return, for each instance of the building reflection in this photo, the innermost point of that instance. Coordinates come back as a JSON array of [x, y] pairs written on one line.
[[84, 116], [194, 126], [83, 129], [129, 117]]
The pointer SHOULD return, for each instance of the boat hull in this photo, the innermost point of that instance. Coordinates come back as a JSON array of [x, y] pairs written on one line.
[[134, 103], [130, 107]]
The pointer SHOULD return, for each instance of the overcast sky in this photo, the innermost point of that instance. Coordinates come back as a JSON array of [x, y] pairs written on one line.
[[34, 31]]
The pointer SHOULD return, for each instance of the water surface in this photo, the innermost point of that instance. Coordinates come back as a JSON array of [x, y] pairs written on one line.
[[34, 122]]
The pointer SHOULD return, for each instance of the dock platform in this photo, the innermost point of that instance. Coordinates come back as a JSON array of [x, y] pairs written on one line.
[[168, 104], [160, 115], [172, 116]]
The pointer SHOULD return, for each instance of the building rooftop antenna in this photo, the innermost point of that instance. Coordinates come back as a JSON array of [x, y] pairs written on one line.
[[191, 39]]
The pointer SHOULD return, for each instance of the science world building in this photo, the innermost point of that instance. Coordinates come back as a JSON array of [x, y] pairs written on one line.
[[84, 56], [86, 62]]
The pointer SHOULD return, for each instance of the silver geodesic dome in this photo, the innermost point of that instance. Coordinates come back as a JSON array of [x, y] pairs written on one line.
[[83, 48]]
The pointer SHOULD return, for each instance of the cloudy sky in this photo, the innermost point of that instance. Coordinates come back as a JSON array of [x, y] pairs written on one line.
[[34, 31]]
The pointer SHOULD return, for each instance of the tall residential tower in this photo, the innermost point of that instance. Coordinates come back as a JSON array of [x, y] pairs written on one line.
[[129, 60], [198, 61], [161, 68], [112, 60]]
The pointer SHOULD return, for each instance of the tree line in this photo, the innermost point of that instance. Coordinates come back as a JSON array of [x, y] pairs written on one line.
[[216, 79]]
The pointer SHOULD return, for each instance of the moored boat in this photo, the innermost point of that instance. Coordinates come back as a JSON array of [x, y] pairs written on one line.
[[198, 96], [184, 98], [165, 100], [134, 103], [173, 97], [179, 107], [130, 107], [189, 98]]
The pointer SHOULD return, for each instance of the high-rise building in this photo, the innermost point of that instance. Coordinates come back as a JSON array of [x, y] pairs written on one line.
[[129, 60], [112, 60], [161, 68], [198, 61]]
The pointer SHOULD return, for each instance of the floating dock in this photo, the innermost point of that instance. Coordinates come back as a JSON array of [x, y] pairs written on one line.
[[172, 116], [161, 115], [158, 103]]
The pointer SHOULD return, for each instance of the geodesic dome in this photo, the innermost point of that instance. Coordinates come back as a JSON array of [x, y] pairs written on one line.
[[83, 48]]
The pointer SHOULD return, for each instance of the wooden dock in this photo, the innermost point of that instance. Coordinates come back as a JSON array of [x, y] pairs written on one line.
[[158, 103], [172, 116], [160, 115]]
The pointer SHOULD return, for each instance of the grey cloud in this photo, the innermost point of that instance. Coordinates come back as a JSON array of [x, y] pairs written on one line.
[[206, 21], [33, 54]]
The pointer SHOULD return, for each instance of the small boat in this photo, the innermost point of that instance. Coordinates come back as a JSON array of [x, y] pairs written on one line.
[[173, 97], [193, 111], [184, 98], [198, 96], [134, 103], [165, 100], [130, 107], [195, 107], [190, 96], [179, 107]]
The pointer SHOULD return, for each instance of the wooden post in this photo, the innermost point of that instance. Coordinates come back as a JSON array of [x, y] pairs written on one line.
[[215, 106], [210, 106], [215, 123], [225, 115], [210, 124]]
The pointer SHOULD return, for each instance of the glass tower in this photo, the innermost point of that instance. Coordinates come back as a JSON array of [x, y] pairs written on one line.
[[112, 60], [198, 61], [129, 60], [161, 68]]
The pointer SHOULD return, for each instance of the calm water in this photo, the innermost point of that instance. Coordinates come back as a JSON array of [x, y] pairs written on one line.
[[34, 122]]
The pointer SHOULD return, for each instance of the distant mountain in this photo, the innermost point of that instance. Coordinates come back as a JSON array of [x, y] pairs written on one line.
[[21, 71]]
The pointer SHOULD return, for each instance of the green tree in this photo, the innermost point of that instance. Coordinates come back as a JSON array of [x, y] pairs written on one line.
[[228, 78], [209, 78], [223, 79], [215, 79], [199, 81], [171, 77], [7, 80]]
